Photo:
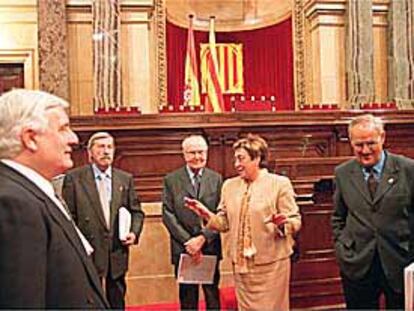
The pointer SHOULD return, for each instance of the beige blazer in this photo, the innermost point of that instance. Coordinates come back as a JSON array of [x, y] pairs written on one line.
[[270, 193]]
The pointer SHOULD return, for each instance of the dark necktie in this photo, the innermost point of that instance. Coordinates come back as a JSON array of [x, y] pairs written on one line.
[[65, 206], [372, 183], [197, 179]]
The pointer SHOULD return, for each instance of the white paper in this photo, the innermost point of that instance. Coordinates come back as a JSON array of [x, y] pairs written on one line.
[[190, 272], [409, 287], [124, 217]]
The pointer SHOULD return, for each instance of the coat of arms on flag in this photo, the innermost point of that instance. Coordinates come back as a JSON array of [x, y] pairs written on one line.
[[230, 67]]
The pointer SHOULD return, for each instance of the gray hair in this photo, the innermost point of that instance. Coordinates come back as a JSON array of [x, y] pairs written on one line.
[[367, 119], [22, 108], [193, 139], [96, 136]]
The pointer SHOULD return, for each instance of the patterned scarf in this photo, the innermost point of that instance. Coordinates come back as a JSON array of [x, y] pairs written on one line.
[[245, 248]]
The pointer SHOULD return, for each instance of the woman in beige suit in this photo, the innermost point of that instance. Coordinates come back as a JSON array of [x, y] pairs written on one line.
[[258, 209]]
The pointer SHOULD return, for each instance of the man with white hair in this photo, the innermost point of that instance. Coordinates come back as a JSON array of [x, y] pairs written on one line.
[[187, 234], [95, 194], [44, 261], [373, 218]]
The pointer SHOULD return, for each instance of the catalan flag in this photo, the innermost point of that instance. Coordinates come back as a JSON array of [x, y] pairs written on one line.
[[191, 86], [214, 98]]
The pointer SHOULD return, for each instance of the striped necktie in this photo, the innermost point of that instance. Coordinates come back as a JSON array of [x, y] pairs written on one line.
[[372, 182]]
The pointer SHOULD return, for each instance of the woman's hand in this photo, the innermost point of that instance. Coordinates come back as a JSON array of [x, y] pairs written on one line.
[[279, 220], [276, 219], [197, 208]]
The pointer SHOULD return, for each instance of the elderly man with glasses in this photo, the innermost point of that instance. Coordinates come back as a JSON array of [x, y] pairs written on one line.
[[373, 218]]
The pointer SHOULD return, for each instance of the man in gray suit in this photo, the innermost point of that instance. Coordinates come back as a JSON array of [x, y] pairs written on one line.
[[44, 258], [373, 218], [94, 194], [186, 232]]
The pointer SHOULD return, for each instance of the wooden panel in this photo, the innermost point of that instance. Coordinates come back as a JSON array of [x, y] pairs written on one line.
[[304, 146], [11, 76]]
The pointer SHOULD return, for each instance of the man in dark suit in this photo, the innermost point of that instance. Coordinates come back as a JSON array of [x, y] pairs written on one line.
[[95, 193], [44, 261], [186, 232], [372, 220]]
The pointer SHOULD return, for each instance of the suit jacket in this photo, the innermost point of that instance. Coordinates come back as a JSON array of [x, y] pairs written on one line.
[[269, 194], [81, 195], [43, 263], [363, 226], [181, 222]]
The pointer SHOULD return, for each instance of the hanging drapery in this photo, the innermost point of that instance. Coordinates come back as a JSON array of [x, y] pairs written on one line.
[[214, 100], [359, 53], [401, 53], [267, 62], [106, 54], [192, 89]]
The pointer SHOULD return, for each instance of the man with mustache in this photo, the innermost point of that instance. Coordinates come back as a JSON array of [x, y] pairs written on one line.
[[94, 194]]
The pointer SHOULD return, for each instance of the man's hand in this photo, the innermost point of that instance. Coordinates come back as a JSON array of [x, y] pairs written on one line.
[[194, 245], [129, 239], [197, 257]]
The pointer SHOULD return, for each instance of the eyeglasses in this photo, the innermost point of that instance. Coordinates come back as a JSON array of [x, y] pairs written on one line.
[[196, 152], [369, 144]]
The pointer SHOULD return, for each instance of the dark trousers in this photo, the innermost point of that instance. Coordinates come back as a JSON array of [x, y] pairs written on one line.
[[365, 293], [115, 292], [189, 293]]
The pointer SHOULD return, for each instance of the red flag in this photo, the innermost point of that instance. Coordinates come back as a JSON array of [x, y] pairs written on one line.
[[214, 99], [191, 89]]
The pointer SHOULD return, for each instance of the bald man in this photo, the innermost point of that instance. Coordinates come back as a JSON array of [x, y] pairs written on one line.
[[187, 235]]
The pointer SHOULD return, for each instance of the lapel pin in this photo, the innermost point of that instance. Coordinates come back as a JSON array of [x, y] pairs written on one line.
[[391, 180], [121, 188]]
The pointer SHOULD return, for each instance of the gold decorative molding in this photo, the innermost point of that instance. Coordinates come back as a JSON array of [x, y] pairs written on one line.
[[232, 16], [161, 40], [299, 53]]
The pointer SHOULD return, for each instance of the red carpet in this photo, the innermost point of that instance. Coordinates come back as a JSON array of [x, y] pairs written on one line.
[[227, 297]]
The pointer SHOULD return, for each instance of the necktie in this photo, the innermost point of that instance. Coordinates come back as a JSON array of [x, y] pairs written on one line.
[[64, 205], [372, 183], [197, 180], [104, 198]]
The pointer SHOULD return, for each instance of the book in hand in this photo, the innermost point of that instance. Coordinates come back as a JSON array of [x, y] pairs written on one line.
[[409, 287], [124, 217], [192, 272]]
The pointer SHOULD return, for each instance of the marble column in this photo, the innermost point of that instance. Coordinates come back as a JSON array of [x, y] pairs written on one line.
[[359, 52], [401, 53], [106, 54], [53, 58]]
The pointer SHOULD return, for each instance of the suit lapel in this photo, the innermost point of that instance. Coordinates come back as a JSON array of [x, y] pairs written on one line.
[[389, 178], [66, 225], [359, 182], [186, 182], [204, 183], [116, 200], [89, 185]]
